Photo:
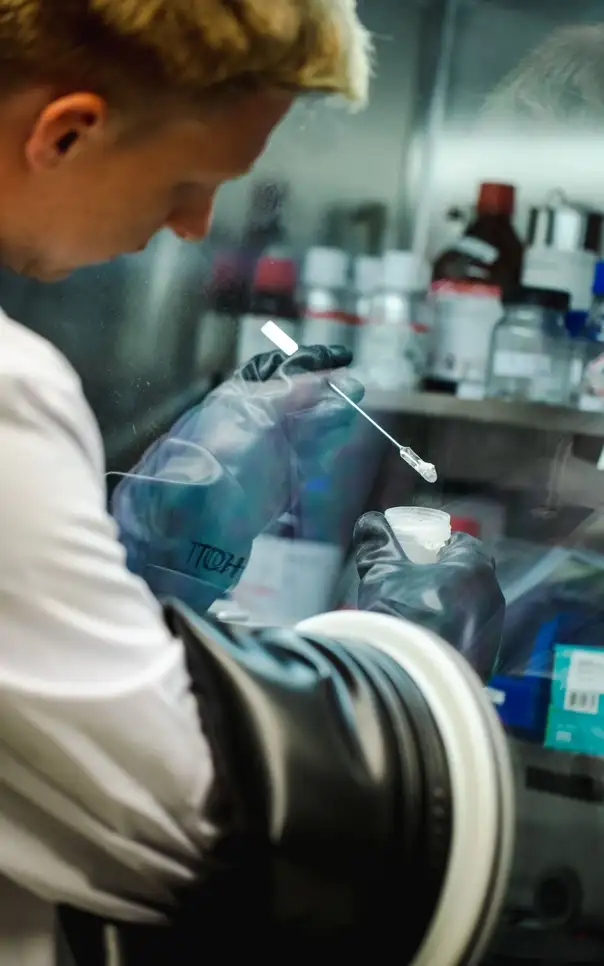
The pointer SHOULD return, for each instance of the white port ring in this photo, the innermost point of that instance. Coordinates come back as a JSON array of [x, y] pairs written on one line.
[[482, 783]]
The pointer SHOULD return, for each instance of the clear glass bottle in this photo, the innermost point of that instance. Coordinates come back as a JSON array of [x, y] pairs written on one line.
[[576, 323], [531, 349]]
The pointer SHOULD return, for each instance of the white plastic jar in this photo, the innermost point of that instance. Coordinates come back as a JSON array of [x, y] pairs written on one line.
[[421, 532]]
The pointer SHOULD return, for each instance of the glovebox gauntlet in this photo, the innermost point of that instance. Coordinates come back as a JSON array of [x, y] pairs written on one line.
[[331, 794]]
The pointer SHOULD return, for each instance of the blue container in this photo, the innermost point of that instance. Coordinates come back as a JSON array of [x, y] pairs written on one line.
[[522, 699]]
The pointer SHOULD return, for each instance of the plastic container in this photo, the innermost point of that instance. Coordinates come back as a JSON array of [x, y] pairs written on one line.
[[421, 532], [388, 348], [563, 245], [466, 525], [366, 279], [326, 319]]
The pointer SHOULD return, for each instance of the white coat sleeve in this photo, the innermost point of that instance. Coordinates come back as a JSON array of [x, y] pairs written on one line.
[[104, 768]]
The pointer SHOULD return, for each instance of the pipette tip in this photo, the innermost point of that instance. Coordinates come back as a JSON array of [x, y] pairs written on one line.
[[428, 472], [287, 345]]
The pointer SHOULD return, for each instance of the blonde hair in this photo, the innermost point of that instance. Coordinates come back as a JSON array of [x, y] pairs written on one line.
[[186, 48]]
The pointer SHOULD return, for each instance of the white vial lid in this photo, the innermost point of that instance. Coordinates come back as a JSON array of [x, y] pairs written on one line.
[[421, 531], [404, 272], [367, 274], [325, 268]]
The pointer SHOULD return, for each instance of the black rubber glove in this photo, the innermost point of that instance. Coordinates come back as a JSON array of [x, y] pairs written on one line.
[[326, 761], [458, 597], [189, 511]]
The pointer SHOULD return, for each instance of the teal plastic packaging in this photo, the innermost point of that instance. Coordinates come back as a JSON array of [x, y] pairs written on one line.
[[576, 713]]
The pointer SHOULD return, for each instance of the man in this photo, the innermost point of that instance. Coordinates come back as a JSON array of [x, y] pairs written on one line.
[[118, 118]]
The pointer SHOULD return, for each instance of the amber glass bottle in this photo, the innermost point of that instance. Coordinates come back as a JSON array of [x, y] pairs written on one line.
[[467, 284]]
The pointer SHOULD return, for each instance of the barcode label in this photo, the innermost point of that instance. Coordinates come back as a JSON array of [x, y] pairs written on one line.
[[586, 702], [586, 672]]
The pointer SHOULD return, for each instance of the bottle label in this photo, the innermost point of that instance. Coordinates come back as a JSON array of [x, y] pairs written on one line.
[[464, 316], [594, 377], [388, 353], [476, 248], [591, 404], [576, 373], [521, 365], [470, 390]]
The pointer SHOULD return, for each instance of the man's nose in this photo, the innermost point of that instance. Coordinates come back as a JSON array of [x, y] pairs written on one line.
[[192, 223]]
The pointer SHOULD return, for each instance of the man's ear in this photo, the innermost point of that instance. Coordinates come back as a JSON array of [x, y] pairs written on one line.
[[65, 127]]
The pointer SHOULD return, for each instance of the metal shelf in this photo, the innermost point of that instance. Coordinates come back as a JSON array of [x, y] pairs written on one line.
[[492, 412]]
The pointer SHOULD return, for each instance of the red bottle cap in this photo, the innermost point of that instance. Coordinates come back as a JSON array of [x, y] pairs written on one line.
[[496, 199], [465, 525], [275, 275]]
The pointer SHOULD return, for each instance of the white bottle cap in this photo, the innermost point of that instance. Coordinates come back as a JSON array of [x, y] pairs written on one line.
[[367, 274], [404, 272], [421, 531], [326, 268]]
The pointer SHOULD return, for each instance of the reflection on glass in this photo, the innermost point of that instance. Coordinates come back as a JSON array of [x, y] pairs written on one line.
[[261, 501]]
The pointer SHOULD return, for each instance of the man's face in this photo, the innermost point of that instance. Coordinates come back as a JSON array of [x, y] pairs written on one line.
[[75, 189]]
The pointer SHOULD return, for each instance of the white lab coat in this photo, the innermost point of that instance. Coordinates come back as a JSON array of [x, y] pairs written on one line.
[[103, 766]]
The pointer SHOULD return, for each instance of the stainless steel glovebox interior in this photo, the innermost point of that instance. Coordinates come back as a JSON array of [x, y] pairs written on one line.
[[459, 97]]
